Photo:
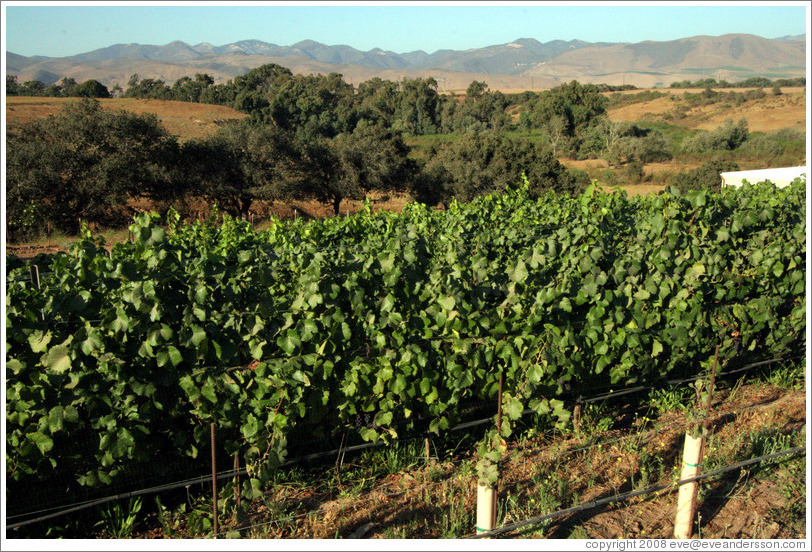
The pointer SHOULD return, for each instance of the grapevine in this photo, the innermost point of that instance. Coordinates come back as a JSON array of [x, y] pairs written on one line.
[[400, 318]]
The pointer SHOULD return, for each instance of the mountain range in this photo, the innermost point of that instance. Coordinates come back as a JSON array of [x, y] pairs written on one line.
[[523, 63]]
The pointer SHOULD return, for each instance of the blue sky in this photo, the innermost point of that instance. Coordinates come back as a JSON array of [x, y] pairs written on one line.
[[60, 29]]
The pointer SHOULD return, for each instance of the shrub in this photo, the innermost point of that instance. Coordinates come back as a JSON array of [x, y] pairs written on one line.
[[488, 162], [756, 94], [634, 172], [705, 177], [776, 142], [729, 136]]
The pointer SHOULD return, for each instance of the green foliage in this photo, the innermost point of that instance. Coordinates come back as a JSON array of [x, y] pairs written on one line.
[[418, 102], [89, 89], [481, 110], [573, 107], [83, 164], [622, 143], [729, 136], [353, 164], [239, 164], [783, 147], [677, 398], [617, 99], [118, 520], [786, 376], [153, 89], [750, 82], [401, 317], [193, 90], [67, 87], [484, 163], [706, 177], [12, 86]]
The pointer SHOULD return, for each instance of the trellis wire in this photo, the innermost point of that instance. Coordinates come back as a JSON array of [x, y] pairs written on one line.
[[631, 494], [227, 474]]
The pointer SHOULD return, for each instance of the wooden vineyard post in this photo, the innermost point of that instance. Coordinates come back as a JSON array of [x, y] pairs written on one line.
[[214, 482], [576, 416], [485, 494], [691, 462]]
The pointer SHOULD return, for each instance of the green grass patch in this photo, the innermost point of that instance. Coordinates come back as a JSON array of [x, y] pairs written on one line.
[[421, 144]]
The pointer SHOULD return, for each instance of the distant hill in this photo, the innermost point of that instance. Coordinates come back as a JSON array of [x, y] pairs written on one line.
[[523, 63]]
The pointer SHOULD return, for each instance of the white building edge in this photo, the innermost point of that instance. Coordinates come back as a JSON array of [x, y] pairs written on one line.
[[780, 177]]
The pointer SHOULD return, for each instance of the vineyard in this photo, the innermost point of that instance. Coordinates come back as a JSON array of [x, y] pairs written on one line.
[[381, 325]]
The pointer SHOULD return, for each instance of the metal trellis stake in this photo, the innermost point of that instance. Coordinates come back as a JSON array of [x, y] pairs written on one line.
[[237, 490], [35, 279], [214, 481], [499, 403]]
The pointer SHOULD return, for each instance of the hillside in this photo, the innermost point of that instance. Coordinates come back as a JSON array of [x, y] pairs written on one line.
[[182, 119], [725, 57], [787, 110], [524, 63]]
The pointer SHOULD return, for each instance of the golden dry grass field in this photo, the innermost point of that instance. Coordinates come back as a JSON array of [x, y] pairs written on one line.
[[182, 119], [773, 112]]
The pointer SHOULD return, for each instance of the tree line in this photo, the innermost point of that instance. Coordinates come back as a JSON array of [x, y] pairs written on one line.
[[66, 88], [327, 105], [307, 137], [317, 137], [750, 82], [86, 163]]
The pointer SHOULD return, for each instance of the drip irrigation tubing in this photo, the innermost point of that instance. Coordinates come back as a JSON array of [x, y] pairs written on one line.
[[681, 381], [151, 490], [459, 427], [631, 494], [644, 434], [228, 474], [426, 486]]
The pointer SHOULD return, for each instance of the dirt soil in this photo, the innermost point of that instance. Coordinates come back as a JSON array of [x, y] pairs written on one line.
[[748, 503]]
